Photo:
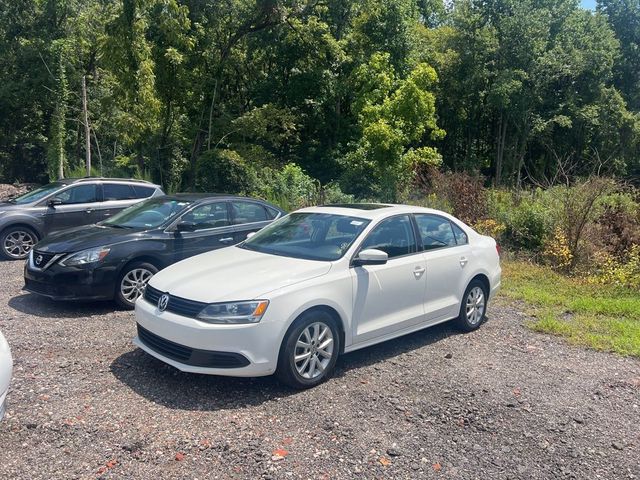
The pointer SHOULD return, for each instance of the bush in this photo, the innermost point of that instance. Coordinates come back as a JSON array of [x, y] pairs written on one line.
[[620, 272], [527, 225], [224, 171], [290, 187]]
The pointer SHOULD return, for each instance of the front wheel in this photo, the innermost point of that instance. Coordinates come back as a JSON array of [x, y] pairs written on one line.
[[309, 351], [132, 281], [16, 242], [474, 307]]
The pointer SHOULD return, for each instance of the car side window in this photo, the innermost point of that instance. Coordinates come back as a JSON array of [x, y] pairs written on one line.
[[461, 237], [78, 194], [210, 215], [117, 191], [393, 236], [248, 212], [143, 192], [435, 231]]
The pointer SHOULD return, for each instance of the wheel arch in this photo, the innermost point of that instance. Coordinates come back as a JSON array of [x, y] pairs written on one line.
[[484, 279], [322, 307], [23, 224]]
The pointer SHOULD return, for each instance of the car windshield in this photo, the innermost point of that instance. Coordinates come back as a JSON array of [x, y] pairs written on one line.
[[37, 194], [311, 236], [147, 214]]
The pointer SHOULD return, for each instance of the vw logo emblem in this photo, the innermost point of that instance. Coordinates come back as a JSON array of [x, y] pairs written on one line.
[[163, 301], [38, 259]]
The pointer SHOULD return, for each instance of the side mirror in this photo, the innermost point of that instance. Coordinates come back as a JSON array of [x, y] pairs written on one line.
[[54, 201], [249, 235], [186, 227], [370, 256]]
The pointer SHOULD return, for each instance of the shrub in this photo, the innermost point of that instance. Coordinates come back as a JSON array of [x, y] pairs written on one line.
[[290, 187], [527, 225], [490, 227], [557, 253], [224, 171], [620, 272]]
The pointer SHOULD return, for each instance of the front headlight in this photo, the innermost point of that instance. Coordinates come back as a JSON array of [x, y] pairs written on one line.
[[234, 312], [85, 257]]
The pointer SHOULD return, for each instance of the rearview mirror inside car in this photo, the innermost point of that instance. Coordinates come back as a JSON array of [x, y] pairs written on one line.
[[371, 256]]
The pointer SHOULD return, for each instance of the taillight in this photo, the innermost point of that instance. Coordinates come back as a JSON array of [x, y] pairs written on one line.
[[498, 249]]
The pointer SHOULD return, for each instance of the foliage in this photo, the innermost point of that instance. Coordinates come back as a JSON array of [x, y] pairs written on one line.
[[557, 253], [622, 272], [224, 171], [490, 227]]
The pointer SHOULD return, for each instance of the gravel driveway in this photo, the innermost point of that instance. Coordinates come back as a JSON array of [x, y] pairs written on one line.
[[502, 402]]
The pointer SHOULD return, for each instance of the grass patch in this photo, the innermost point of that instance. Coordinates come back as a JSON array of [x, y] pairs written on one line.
[[601, 317]]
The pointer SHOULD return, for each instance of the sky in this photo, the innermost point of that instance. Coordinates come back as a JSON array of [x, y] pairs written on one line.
[[590, 4]]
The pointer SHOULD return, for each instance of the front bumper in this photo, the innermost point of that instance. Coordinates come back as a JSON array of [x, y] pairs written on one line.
[[72, 283], [254, 346]]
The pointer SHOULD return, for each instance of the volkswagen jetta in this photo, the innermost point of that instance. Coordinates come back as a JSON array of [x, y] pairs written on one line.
[[315, 284]]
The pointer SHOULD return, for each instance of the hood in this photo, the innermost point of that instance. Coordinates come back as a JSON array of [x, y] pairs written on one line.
[[234, 273], [81, 238], [4, 206]]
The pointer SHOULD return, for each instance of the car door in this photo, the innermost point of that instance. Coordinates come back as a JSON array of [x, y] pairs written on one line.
[[212, 230], [389, 298], [75, 206], [446, 259], [248, 217]]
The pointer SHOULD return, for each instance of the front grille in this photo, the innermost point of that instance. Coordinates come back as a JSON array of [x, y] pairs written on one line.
[[42, 259], [178, 305], [190, 356]]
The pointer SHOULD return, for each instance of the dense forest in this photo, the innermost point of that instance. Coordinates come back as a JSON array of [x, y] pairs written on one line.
[[362, 95]]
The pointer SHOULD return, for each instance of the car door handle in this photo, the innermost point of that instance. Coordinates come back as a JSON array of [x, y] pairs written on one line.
[[463, 261], [89, 210], [226, 240], [418, 271]]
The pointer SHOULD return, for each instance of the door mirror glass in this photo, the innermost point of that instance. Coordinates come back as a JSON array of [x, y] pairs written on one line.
[[371, 256], [186, 226]]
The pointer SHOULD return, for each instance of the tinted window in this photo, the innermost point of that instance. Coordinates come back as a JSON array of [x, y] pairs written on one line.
[[393, 236], [272, 212], [212, 215], [461, 237], [247, 212], [78, 194], [143, 192], [117, 191], [313, 236], [436, 232]]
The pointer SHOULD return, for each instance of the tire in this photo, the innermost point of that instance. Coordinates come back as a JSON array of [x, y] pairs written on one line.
[[473, 310], [16, 242], [131, 282], [301, 375]]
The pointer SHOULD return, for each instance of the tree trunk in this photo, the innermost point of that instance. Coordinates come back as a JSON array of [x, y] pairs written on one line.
[[87, 131]]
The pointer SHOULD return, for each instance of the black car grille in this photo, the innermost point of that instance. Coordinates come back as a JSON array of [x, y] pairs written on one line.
[[178, 305], [41, 259], [191, 356]]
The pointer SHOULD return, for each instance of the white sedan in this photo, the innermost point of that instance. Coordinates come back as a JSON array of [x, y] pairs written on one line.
[[6, 367], [317, 283]]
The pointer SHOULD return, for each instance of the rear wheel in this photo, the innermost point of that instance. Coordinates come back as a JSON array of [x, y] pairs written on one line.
[[131, 283], [16, 242], [474, 307], [309, 351]]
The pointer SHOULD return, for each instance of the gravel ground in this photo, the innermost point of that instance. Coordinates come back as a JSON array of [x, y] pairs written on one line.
[[502, 402]]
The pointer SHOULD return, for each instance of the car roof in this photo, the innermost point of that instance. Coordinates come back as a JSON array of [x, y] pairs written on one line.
[[103, 179], [371, 211], [195, 197]]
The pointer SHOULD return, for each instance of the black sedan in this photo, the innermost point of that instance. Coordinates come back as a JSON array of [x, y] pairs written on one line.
[[114, 259]]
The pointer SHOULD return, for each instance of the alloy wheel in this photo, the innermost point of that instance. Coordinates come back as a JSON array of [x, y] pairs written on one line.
[[18, 243], [314, 350], [475, 305], [133, 283]]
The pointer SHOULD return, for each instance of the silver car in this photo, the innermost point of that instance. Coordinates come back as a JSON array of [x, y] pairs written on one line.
[[64, 204]]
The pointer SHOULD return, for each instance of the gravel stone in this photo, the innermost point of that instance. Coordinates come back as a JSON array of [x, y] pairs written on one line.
[[508, 404]]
